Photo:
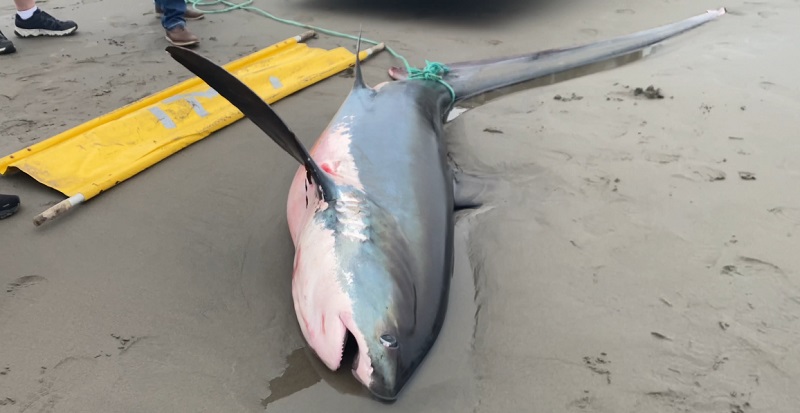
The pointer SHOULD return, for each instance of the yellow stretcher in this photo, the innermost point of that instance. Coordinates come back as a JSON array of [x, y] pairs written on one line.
[[93, 157]]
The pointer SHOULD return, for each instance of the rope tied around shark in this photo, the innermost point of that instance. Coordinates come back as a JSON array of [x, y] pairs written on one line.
[[432, 71]]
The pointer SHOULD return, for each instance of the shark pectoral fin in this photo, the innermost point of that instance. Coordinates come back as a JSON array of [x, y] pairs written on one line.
[[256, 109], [472, 191]]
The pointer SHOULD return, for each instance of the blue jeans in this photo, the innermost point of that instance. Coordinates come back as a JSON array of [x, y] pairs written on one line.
[[173, 13]]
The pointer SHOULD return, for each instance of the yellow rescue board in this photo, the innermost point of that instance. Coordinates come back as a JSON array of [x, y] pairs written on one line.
[[93, 157]]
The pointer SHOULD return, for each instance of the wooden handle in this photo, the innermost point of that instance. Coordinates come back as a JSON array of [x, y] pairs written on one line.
[[58, 209], [375, 49], [306, 35]]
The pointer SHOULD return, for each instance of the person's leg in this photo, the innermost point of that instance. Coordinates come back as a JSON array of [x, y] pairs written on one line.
[[32, 21], [174, 23], [173, 13], [23, 5], [190, 14], [9, 204]]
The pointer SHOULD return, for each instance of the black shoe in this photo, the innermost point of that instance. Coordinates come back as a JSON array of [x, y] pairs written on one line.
[[6, 46], [9, 204], [43, 24]]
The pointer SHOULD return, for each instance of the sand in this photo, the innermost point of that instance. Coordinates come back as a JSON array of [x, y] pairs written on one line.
[[631, 269]]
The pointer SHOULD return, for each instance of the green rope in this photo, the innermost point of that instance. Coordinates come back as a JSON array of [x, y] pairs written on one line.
[[432, 71]]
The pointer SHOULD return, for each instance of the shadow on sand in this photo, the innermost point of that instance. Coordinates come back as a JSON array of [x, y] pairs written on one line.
[[466, 12]]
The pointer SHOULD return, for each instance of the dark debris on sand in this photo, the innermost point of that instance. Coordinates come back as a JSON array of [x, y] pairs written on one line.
[[568, 98], [651, 92]]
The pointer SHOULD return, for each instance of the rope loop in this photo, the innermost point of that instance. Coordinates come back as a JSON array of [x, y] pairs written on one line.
[[433, 71]]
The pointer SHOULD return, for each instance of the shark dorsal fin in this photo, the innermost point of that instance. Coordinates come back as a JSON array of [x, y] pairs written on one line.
[[359, 81], [258, 111]]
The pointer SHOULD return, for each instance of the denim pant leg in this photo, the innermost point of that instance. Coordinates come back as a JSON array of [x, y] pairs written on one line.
[[173, 13]]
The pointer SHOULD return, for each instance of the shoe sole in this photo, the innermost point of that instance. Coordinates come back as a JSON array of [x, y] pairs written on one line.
[[7, 213], [8, 50], [189, 43], [42, 32], [201, 17]]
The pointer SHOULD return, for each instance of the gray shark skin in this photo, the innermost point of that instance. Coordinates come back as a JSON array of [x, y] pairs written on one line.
[[371, 207]]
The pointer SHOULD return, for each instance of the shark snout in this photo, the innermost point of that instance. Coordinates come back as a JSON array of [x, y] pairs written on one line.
[[389, 375], [386, 386]]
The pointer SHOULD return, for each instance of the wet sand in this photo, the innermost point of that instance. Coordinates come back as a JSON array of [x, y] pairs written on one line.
[[632, 269]]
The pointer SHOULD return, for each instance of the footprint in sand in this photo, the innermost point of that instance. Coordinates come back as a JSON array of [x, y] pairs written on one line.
[[748, 267], [23, 282], [790, 214], [705, 173], [72, 373], [58, 381], [7, 401], [583, 404], [598, 365], [766, 85], [662, 158], [668, 398], [17, 126]]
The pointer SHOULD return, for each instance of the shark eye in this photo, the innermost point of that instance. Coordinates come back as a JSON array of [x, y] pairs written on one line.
[[388, 341]]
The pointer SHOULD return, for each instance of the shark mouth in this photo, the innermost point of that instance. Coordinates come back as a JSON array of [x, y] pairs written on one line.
[[354, 348], [350, 353]]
